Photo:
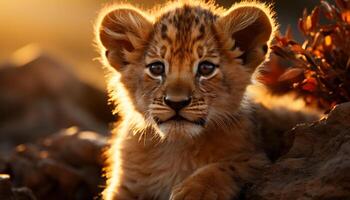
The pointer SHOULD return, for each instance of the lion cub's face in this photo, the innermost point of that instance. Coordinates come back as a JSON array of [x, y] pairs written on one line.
[[187, 69]]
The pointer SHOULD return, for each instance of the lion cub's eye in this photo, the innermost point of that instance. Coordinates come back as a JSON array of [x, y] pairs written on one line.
[[156, 68], [206, 68]]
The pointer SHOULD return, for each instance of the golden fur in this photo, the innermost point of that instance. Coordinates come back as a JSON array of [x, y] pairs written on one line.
[[214, 149]]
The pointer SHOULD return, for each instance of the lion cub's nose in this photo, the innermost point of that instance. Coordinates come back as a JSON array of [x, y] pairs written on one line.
[[177, 104]]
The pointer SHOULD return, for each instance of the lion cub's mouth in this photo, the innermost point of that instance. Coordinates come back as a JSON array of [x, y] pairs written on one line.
[[179, 118]]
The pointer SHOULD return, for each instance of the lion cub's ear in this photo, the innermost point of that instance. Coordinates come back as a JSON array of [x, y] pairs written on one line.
[[122, 31], [250, 27]]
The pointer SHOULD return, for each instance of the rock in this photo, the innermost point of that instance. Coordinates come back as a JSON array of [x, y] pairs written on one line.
[[316, 166], [39, 96], [8, 192], [5, 187], [77, 147], [23, 193], [65, 165]]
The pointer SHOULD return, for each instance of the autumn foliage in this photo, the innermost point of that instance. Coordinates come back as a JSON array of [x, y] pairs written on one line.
[[318, 69]]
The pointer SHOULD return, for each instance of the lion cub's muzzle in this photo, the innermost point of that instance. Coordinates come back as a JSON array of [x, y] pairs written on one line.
[[180, 107], [177, 105]]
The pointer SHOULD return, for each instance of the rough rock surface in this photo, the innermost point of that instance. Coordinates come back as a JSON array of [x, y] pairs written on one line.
[[66, 165], [316, 167], [8, 192]]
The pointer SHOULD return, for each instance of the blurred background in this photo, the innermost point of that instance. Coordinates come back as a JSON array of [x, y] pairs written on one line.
[[64, 28]]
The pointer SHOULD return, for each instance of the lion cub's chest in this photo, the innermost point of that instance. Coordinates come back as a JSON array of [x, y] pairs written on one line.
[[153, 172]]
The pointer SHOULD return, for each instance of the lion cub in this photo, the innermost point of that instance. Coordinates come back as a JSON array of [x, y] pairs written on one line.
[[178, 76]]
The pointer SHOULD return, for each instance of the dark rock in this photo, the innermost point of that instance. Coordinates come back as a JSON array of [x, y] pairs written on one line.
[[8, 192], [66, 165], [316, 166], [5, 187], [77, 147], [23, 193]]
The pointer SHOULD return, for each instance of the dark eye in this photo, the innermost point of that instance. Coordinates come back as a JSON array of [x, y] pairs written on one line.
[[206, 68], [156, 68]]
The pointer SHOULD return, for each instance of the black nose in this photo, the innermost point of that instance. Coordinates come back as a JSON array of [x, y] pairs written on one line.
[[177, 105]]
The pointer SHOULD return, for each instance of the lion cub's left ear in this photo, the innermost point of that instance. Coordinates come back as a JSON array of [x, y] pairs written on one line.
[[122, 31], [249, 28]]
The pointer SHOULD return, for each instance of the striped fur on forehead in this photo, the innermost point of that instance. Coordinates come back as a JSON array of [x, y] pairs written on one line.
[[179, 25], [184, 31], [184, 19]]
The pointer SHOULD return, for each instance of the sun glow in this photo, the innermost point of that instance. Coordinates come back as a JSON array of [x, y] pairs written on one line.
[[123, 103], [26, 54], [290, 101], [113, 156]]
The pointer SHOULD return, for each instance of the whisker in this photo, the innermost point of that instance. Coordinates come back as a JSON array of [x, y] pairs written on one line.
[[155, 106]]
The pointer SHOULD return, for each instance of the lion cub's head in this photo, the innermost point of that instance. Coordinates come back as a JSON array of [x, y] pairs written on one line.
[[185, 67]]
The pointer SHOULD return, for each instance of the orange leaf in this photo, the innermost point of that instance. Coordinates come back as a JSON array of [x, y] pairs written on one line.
[[291, 74], [297, 48], [315, 16], [346, 16], [310, 84], [308, 23], [328, 40]]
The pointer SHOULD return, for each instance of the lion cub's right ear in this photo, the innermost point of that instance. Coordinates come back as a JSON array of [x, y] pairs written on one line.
[[120, 32], [251, 26]]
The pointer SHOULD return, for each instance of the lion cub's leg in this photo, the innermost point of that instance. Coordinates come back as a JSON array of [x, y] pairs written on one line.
[[222, 180]]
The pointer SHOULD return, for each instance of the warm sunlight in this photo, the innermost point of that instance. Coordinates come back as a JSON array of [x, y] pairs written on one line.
[[174, 99]]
